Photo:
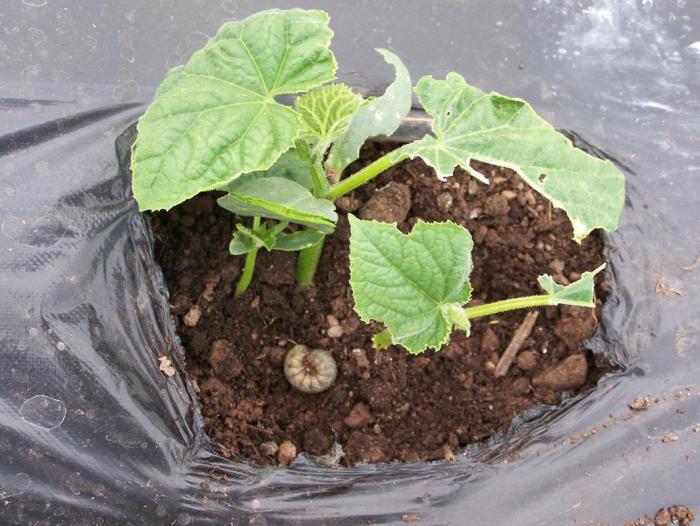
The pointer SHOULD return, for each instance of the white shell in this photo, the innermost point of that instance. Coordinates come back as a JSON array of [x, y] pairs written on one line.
[[310, 371]]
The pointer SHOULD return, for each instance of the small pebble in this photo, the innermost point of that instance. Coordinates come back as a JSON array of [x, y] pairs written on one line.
[[287, 453], [335, 332], [269, 448], [191, 319]]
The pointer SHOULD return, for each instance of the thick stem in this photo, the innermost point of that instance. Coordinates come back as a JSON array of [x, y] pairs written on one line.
[[248, 267], [368, 172], [496, 307], [308, 262]]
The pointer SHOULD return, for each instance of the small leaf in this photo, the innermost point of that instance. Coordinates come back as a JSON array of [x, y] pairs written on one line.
[[382, 340], [280, 199], [410, 282], [579, 293], [300, 240], [472, 125], [241, 243], [325, 112], [216, 117], [380, 117]]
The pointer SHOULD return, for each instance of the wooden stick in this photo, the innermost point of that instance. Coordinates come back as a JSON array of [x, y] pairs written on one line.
[[519, 337]]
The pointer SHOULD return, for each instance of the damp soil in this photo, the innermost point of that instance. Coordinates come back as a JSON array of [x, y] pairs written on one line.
[[385, 405]]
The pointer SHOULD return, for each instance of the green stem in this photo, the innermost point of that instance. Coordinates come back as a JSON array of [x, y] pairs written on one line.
[[505, 305], [368, 172], [319, 179], [308, 262], [383, 339], [248, 267]]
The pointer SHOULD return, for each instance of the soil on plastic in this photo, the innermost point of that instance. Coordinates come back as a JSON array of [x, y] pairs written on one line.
[[385, 405]]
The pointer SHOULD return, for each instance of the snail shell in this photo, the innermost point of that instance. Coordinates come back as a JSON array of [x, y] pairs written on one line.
[[310, 371]]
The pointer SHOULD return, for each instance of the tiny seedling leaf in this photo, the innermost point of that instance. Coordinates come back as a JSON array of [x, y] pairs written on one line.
[[412, 283], [472, 125], [280, 199], [325, 113], [216, 117], [380, 117], [579, 293]]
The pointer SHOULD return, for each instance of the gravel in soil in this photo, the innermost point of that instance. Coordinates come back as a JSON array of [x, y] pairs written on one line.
[[385, 405]]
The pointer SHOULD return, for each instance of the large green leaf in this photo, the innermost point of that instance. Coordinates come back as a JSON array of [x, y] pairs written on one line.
[[325, 113], [470, 124], [578, 293], [415, 284], [216, 117], [280, 199], [289, 166], [381, 117]]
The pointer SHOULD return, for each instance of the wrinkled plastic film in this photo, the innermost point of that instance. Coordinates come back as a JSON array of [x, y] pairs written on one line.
[[92, 432]]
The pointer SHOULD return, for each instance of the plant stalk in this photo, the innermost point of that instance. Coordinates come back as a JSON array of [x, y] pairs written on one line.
[[359, 178], [308, 262], [497, 307], [319, 180], [248, 267]]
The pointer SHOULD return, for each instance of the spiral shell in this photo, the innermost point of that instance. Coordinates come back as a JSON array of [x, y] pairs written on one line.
[[310, 371]]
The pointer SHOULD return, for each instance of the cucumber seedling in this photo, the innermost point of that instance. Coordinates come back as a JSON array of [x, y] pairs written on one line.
[[217, 123]]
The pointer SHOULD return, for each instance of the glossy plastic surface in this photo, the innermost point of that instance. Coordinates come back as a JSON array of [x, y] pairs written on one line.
[[91, 432]]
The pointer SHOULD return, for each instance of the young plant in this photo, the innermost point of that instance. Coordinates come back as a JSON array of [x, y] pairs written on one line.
[[216, 123]]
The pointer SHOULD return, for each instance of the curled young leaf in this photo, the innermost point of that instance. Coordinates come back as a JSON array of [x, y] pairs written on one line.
[[280, 199], [412, 283], [472, 125], [380, 117], [325, 113], [216, 117]]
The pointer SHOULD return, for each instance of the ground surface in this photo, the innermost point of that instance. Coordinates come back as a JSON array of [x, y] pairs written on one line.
[[385, 405]]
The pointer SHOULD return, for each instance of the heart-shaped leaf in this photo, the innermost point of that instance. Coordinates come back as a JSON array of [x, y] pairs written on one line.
[[380, 117], [413, 283], [216, 117], [280, 199], [470, 124]]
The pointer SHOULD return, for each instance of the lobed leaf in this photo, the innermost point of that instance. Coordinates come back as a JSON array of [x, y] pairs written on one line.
[[411, 282], [579, 293], [280, 199], [325, 112], [380, 117], [472, 125], [216, 117]]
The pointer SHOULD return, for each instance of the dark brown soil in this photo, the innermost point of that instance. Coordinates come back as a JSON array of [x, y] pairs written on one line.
[[385, 405]]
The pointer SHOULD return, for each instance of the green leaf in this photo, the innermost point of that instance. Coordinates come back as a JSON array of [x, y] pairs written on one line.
[[216, 117], [470, 124], [289, 166], [300, 240], [382, 340], [325, 113], [411, 283], [241, 243], [579, 293], [381, 117], [280, 199]]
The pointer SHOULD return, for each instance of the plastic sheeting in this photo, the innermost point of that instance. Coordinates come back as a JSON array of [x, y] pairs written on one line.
[[91, 432]]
